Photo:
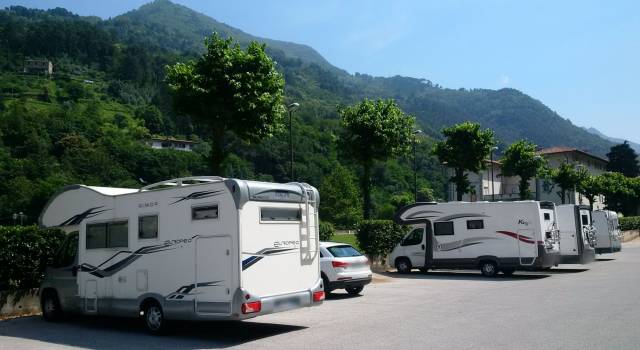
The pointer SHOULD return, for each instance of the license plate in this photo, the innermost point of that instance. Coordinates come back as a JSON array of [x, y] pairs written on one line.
[[287, 303]]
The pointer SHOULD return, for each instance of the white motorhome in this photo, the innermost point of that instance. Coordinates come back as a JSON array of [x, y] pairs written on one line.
[[608, 235], [199, 248], [492, 236], [577, 234]]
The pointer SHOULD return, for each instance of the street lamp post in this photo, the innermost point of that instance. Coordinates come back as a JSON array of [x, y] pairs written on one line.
[[493, 192], [290, 108], [415, 165]]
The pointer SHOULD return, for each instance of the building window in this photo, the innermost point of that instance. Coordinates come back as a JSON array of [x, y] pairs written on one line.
[[475, 224], [107, 235], [280, 214], [204, 212], [148, 226], [443, 228]]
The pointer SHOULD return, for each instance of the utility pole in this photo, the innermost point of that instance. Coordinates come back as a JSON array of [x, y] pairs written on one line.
[[493, 192], [415, 164]]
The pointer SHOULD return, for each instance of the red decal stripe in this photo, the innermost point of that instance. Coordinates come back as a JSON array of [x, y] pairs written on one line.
[[525, 239]]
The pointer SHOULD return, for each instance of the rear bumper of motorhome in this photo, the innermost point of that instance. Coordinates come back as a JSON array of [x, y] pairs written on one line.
[[278, 303], [588, 255]]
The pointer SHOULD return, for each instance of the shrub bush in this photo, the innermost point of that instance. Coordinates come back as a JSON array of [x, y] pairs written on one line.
[[25, 251], [630, 223], [377, 238], [326, 231]]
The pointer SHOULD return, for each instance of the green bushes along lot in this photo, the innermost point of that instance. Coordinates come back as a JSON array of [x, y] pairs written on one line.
[[377, 238], [630, 223], [25, 251]]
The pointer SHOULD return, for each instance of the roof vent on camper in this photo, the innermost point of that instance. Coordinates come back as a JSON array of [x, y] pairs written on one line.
[[183, 181]]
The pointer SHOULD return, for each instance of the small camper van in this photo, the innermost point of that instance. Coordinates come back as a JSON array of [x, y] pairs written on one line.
[[491, 236], [608, 237], [199, 248], [577, 234]]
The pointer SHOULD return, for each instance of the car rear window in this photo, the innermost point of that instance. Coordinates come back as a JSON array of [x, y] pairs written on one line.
[[343, 251]]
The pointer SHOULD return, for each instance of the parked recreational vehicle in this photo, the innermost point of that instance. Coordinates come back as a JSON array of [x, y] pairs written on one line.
[[492, 236], [577, 235], [200, 248], [608, 236]]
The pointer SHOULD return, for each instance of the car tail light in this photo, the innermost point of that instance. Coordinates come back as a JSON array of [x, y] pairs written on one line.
[[339, 264], [252, 307], [318, 296]]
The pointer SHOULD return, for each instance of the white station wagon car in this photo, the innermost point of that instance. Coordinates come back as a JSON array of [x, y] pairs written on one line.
[[343, 267]]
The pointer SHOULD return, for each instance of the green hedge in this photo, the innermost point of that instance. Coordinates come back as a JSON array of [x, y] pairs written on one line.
[[326, 231], [630, 223], [25, 251], [377, 238]]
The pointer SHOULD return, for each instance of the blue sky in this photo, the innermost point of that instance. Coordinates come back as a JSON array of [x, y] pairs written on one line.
[[580, 58]]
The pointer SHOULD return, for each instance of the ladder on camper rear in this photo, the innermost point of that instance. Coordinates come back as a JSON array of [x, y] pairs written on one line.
[[309, 232]]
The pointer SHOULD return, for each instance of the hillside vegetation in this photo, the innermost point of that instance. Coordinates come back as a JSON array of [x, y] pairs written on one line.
[[89, 122]]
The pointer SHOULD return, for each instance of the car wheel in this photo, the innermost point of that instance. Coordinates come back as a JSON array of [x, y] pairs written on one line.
[[403, 265], [325, 284], [354, 290], [508, 272], [488, 268], [51, 310], [154, 321]]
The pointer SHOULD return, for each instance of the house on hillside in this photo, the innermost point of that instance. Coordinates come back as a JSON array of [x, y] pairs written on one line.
[[38, 66], [490, 184], [171, 143]]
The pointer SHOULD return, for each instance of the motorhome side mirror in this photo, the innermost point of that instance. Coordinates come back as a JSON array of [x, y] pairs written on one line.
[[74, 271], [423, 247]]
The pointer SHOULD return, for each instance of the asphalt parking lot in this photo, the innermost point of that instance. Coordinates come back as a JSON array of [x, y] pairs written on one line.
[[596, 306]]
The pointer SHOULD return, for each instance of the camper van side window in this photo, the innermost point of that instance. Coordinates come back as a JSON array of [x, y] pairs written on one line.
[[204, 212], [475, 224], [107, 235], [547, 217], [148, 226], [443, 228]]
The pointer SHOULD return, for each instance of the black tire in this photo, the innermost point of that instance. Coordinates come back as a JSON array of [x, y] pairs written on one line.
[[354, 290], [508, 272], [488, 268], [403, 265], [325, 285], [153, 318], [50, 304]]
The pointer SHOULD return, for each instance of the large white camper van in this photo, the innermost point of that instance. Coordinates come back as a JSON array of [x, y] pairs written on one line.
[[577, 235], [608, 236], [185, 249], [492, 236]]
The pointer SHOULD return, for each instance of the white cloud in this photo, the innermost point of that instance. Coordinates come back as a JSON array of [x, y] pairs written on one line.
[[505, 80]]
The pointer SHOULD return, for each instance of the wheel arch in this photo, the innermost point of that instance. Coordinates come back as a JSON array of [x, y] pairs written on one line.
[[491, 258]]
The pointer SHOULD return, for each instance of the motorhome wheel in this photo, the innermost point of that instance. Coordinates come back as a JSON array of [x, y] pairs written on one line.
[[403, 265], [154, 319], [50, 304], [488, 268], [354, 290]]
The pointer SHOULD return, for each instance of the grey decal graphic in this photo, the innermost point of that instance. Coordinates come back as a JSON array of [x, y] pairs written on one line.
[[420, 214], [115, 268], [257, 256], [186, 290], [197, 195], [89, 213], [445, 247], [460, 216]]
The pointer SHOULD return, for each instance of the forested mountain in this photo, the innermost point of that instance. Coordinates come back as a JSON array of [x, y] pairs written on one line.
[[635, 146], [89, 122]]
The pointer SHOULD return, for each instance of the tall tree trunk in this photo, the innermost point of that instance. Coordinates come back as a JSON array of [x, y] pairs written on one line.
[[460, 184], [524, 189], [563, 196], [217, 151], [366, 190]]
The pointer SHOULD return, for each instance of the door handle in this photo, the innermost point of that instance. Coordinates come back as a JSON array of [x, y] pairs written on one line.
[[423, 248]]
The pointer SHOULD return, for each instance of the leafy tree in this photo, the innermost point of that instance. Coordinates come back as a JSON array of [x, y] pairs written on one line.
[[623, 159], [326, 231], [377, 238], [374, 130], [619, 193], [229, 89], [520, 159], [465, 148], [341, 199], [589, 186], [567, 178]]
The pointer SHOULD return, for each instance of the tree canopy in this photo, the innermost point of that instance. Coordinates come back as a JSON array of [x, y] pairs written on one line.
[[567, 178], [374, 130], [466, 147], [520, 159], [623, 159], [229, 89]]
